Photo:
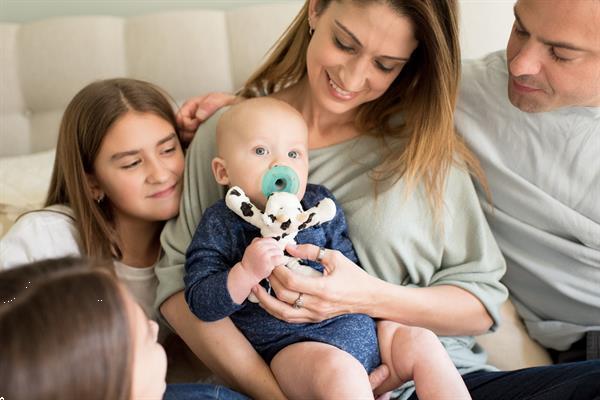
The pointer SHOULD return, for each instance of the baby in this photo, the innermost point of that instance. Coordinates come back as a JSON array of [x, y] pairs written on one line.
[[228, 257]]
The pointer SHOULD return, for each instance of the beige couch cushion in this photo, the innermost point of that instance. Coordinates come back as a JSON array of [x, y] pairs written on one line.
[[44, 63], [25, 180]]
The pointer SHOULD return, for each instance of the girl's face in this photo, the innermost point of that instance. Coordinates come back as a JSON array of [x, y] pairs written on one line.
[[355, 52], [149, 360], [139, 168]]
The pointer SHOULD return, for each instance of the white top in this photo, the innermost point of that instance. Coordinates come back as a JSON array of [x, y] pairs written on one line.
[[544, 174], [51, 233]]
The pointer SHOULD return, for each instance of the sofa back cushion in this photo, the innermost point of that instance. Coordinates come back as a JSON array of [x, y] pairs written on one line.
[[44, 63]]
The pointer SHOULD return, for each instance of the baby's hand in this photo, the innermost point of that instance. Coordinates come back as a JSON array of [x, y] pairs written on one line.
[[261, 256]]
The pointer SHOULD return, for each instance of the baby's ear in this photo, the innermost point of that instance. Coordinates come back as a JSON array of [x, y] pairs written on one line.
[[219, 170]]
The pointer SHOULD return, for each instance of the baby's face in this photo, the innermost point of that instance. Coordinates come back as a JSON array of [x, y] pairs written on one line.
[[260, 140]]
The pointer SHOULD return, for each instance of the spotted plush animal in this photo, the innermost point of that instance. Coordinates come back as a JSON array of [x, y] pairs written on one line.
[[282, 219]]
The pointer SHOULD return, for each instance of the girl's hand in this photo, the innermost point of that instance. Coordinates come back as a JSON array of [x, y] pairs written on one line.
[[345, 288], [197, 110]]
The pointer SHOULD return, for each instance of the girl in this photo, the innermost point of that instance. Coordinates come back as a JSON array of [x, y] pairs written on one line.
[[116, 180], [71, 331]]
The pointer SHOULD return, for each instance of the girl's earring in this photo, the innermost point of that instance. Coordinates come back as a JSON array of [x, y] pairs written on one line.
[[100, 198], [311, 30]]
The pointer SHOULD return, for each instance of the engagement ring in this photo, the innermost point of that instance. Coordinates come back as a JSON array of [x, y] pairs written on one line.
[[299, 302]]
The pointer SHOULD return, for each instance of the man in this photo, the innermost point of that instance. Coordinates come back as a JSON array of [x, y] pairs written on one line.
[[540, 149]]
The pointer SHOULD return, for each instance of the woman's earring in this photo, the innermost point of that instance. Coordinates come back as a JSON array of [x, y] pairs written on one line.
[[100, 198], [310, 28]]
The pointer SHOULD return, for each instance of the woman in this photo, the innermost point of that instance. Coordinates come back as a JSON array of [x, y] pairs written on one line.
[[106, 331], [376, 82], [116, 179]]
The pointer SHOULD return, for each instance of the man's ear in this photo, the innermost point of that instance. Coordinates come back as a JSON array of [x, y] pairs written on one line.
[[94, 185], [219, 170]]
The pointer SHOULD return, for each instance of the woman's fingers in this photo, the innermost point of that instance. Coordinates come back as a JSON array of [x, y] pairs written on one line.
[[378, 376], [305, 251], [281, 292], [318, 254], [298, 283], [282, 310]]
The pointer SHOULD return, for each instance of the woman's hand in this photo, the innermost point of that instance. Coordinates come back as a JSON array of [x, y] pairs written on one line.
[[345, 288], [198, 109], [376, 378]]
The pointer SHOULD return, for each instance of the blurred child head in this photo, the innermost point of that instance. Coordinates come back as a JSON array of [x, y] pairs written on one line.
[[71, 331]]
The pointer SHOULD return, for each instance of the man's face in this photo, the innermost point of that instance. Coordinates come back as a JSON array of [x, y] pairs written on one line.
[[554, 55]]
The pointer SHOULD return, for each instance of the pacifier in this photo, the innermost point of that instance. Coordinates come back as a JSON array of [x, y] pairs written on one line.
[[280, 179]]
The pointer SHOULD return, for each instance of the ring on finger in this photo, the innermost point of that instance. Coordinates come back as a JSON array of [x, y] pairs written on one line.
[[299, 302], [320, 255]]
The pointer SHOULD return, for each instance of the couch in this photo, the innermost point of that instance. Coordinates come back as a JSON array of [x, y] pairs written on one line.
[[45, 62]]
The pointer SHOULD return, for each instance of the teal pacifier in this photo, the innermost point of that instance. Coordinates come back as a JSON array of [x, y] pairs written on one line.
[[280, 179]]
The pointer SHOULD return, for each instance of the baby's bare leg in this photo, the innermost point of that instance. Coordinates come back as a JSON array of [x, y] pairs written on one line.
[[416, 353], [313, 370]]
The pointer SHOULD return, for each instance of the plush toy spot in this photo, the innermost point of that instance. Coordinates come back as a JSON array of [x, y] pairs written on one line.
[[308, 221], [247, 209], [285, 225]]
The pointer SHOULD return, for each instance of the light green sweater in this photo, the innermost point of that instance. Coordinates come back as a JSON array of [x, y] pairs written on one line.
[[395, 238]]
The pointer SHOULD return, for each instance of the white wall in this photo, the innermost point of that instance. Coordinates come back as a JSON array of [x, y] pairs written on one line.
[[31, 10], [485, 25]]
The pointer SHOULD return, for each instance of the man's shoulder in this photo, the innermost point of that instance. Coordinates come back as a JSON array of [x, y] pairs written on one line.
[[483, 92], [485, 74], [495, 60]]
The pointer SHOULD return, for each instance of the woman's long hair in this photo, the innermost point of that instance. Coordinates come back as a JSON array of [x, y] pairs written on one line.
[[64, 333], [424, 95], [87, 119]]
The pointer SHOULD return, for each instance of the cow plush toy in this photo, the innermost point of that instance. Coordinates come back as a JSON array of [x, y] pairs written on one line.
[[282, 219]]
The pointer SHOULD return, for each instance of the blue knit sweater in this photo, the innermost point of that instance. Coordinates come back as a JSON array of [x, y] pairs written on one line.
[[219, 243]]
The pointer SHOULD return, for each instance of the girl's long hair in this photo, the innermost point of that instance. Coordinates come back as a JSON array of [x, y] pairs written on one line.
[[64, 333], [87, 119], [424, 95]]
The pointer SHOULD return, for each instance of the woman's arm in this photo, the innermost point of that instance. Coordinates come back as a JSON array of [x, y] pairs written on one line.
[[460, 290], [446, 310], [222, 347]]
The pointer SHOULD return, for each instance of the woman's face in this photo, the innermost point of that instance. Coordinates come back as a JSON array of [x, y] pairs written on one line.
[[355, 52], [149, 361], [139, 168]]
